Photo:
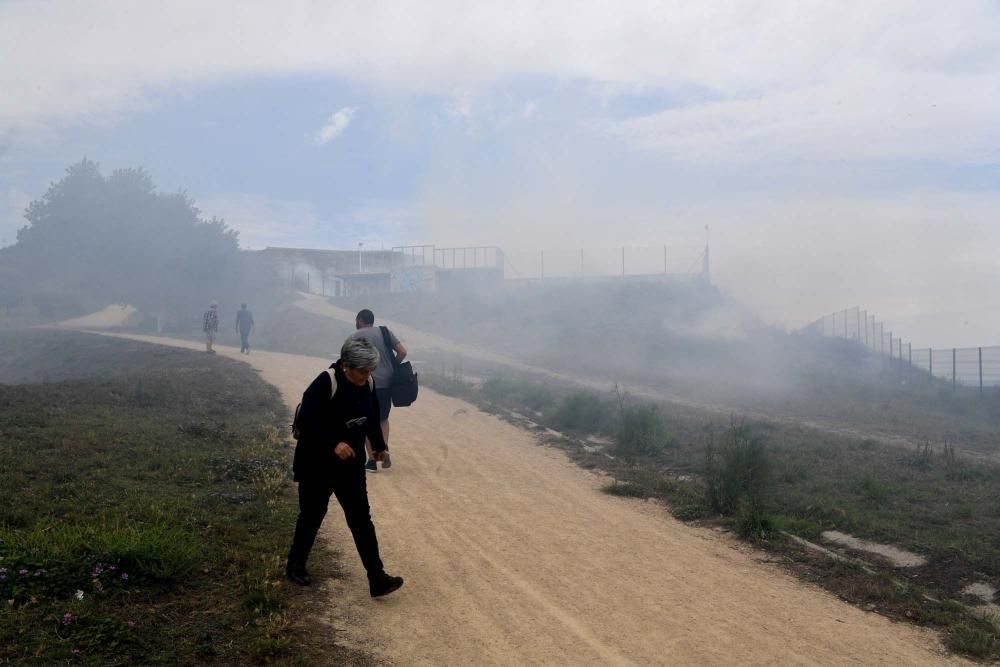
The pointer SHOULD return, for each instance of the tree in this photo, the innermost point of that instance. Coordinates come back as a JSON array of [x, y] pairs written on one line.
[[116, 239]]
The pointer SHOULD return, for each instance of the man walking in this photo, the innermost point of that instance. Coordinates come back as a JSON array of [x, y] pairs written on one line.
[[339, 410], [244, 325], [366, 330], [210, 325]]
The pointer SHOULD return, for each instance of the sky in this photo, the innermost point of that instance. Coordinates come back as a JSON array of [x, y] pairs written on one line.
[[840, 153]]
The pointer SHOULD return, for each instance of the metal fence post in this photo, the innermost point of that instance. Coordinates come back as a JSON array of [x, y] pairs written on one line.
[[930, 365], [909, 358], [857, 312], [954, 367], [980, 370]]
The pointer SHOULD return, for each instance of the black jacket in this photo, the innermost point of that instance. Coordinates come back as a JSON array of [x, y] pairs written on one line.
[[349, 416]]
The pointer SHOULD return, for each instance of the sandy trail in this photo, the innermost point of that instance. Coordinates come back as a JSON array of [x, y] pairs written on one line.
[[513, 556]]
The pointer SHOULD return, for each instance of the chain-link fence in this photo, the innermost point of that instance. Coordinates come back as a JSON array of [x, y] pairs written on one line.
[[977, 367]]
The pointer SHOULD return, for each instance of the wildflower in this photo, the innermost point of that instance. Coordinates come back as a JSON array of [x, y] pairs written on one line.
[[75, 651], [97, 585], [22, 572], [3, 570], [39, 573], [3, 577], [124, 576], [131, 624], [78, 595], [67, 618]]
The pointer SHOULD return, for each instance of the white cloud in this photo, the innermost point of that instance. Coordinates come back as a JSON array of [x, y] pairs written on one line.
[[264, 221], [335, 125], [862, 115], [830, 79]]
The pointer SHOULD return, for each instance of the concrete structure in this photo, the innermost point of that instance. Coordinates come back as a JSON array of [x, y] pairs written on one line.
[[401, 269]]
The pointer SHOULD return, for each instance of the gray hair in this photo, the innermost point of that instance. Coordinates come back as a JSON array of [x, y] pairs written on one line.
[[359, 353]]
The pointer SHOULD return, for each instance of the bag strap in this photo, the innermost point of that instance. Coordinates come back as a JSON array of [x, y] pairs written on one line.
[[388, 346], [333, 382]]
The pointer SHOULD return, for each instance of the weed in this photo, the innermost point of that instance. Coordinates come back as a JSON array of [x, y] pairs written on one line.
[[738, 474], [924, 457], [583, 412], [626, 489], [977, 637], [871, 488]]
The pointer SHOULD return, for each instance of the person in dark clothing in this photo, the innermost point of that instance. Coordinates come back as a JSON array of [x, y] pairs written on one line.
[[244, 325], [339, 410]]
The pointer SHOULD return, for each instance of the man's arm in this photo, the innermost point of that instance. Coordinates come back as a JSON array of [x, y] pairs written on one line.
[[397, 346]]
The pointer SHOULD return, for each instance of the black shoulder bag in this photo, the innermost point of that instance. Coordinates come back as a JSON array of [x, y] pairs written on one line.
[[404, 379]]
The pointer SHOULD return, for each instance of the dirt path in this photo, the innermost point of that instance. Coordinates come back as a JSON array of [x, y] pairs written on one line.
[[513, 556]]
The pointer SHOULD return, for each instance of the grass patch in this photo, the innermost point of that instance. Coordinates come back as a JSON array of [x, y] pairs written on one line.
[[144, 508]]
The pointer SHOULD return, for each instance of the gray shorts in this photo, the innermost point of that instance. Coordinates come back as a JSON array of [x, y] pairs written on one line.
[[384, 403]]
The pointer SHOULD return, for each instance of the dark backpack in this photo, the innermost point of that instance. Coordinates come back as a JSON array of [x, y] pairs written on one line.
[[403, 387]]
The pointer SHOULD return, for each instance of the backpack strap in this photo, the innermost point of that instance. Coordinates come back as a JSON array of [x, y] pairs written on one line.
[[333, 381], [388, 346]]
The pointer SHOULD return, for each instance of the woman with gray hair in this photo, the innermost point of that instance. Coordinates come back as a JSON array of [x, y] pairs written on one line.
[[338, 411]]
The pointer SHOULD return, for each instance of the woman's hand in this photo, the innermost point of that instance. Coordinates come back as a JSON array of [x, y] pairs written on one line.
[[343, 451]]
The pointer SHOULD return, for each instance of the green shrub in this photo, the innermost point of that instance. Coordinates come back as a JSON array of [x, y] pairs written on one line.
[[583, 412], [977, 637], [642, 430], [738, 475], [872, 489], [497, 389], [626, 490]]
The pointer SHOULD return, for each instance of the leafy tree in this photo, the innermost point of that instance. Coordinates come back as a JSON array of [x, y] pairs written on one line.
[[115, 239]]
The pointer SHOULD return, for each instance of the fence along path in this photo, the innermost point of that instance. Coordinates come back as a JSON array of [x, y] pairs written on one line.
[[976, 367]]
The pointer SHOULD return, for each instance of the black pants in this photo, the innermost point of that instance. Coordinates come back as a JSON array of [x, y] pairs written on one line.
[[348, 483], [244, 341]]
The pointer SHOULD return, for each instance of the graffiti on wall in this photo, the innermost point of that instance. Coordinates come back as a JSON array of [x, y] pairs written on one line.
[[412, 279]]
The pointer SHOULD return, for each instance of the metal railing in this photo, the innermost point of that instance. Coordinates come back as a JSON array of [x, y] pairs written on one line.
[[603, 262], [975, 367]]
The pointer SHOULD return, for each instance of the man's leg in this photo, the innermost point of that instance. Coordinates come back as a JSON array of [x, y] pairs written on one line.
[[352, 494], [385, 405], [314, 498], [243, 343]]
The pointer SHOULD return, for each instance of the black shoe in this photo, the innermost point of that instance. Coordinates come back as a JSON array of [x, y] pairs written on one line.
[[296, 573], [383, 584]]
